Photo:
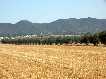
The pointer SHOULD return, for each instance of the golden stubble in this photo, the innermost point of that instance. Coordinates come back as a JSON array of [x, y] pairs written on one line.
[[52, 62]]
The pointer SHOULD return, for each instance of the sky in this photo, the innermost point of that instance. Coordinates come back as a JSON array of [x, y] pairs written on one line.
[[44, 11]]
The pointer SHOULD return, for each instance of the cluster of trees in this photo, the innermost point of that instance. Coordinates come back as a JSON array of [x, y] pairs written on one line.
[[95, 39], [43, 40], [87, 38]]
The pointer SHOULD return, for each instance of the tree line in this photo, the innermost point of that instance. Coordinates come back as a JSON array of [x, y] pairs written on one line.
[[87, 39], [42, 40]]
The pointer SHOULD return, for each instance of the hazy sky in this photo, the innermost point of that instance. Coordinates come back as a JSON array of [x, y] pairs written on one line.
[[50, 10]]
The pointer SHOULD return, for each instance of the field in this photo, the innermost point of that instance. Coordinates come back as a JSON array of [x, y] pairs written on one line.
[[52, 62]]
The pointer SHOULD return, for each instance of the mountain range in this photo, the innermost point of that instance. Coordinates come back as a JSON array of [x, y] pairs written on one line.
[[60, 26]]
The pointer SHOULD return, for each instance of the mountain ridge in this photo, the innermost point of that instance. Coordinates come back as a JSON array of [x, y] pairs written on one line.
[[60, 26]]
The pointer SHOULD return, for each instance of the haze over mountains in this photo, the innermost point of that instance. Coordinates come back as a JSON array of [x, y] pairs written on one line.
[[60, 26]]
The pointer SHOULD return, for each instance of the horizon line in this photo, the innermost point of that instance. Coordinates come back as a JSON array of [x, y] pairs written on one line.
[[51, 21]]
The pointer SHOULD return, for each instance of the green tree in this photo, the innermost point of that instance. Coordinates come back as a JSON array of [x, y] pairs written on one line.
[[102, 37]]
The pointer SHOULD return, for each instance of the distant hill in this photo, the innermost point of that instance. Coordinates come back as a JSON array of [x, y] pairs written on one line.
[[61, 26]]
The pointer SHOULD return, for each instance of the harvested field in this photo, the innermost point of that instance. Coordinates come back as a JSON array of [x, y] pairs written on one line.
[[52, 62]]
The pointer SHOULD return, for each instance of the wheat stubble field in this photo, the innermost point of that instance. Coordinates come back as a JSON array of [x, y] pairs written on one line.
[[52, 62]]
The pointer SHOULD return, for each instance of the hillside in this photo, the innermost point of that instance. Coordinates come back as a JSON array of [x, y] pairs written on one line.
[[60, 26]]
